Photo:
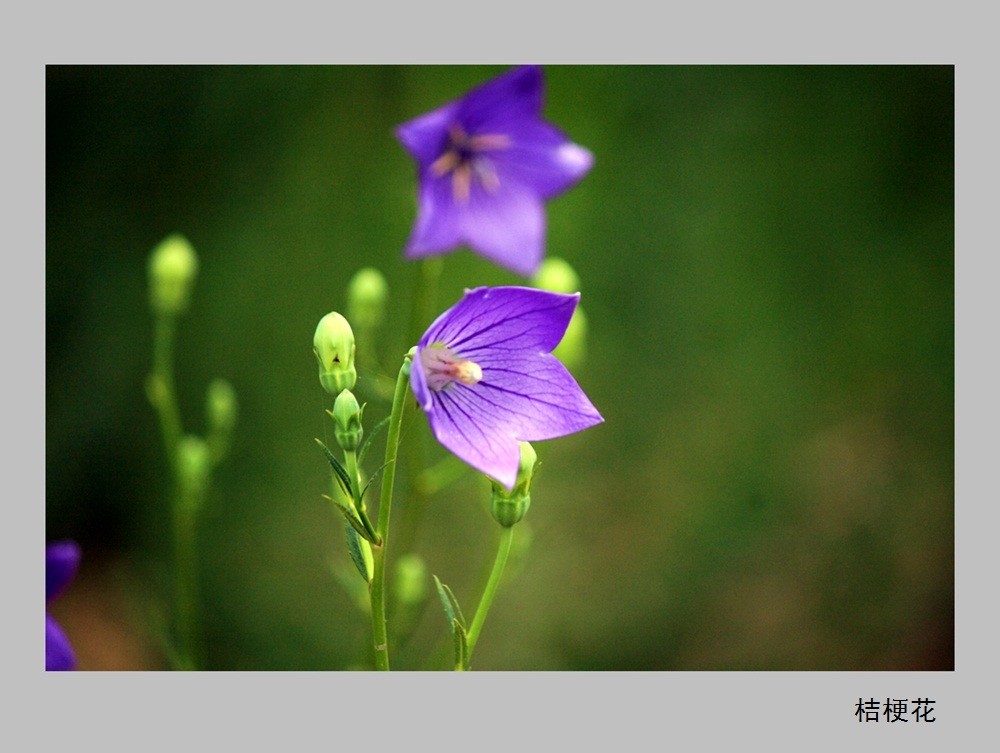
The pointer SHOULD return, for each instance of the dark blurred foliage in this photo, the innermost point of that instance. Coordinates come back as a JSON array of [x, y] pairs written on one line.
[[766, 258]]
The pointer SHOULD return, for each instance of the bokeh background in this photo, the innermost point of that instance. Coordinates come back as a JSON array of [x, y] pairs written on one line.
[[766, 257]]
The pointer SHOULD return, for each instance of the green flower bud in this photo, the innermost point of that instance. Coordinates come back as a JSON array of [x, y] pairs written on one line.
[[366, 295], [572, 349], [333, 345], [410, 584], [194, 465], [509, 507], [173, 265], [557, 275], [220, 405], [347, 421]]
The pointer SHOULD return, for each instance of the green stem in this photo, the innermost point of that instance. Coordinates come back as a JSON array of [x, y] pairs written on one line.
[[186, 578], [428, 276], [164, 396], [379, 632], [422, 314], [506, 537], [185, 501]]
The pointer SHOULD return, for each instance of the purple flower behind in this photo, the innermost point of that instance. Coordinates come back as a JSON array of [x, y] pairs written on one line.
[[61, 562], [486, 163], [485, 376]]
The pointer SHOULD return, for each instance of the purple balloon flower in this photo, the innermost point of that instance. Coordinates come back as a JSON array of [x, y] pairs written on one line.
[[486, 164], [485, 376], [61, 562]]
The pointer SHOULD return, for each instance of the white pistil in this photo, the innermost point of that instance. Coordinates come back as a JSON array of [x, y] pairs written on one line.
[[468, 372], [442, 367]]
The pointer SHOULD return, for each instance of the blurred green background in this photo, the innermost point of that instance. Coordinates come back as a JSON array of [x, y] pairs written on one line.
[[766, 258]]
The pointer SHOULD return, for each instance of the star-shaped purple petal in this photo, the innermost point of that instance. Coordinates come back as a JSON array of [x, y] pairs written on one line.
[[485, 376], [486, 164], [61, 562]]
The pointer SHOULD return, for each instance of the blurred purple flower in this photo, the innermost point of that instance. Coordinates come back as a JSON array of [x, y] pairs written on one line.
[[485, 376], [61, 562], [486, 164]]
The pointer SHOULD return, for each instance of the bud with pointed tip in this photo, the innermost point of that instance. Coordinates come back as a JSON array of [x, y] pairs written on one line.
[[333, 346], [347, 421]]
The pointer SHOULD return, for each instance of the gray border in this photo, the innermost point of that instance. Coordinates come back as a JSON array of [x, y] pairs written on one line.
[[601, 710]]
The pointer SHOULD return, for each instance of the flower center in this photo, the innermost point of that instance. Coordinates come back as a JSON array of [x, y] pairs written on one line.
[[442, 367], [464, 159]]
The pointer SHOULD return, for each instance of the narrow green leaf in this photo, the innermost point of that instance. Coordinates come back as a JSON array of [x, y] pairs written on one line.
[[374, 476], [449, 610], [354, 546], [351, 518], [366, 442], [458, 609], [342, 477], [461, 646]]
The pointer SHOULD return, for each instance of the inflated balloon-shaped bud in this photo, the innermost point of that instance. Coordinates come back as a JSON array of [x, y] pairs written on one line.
[[333, 345], [347, 421], [556, 275], [509, 507], [572, 349], [220, 406], [410, 585], [194, 466], [220, 411], [366, 295], [173, 266]]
